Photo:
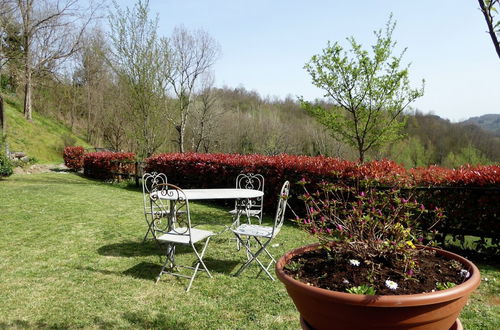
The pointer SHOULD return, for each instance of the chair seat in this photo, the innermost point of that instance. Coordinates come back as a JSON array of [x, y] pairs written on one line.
[[174, 236], [250, 212], [254, 230]]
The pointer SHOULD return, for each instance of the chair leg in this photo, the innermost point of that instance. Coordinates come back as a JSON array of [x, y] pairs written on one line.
[[200, 262], [150, 229], [201, 255], [254, 257], [169, 260], [269, 255]]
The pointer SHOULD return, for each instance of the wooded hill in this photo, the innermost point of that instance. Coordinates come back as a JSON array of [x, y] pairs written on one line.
[[243, 122], [490, 123]]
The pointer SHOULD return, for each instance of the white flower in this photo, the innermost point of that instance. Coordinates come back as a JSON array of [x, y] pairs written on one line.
[[354, 262], [391, 284], [464, 273], [345, 281]]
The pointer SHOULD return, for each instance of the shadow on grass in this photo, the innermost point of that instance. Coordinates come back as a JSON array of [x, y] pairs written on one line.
[[132, 249], [221, 265], [22, 324], [142, 320], [144, 270], [129, 249], [159, 321]]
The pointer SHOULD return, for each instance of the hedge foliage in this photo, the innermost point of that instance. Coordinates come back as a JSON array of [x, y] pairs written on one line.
[[104, 165], [73, 157], [470, 195]]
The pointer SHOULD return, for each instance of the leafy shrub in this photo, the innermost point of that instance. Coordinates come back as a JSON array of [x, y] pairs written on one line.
[[104, 164], [5, 166], [73, 157]]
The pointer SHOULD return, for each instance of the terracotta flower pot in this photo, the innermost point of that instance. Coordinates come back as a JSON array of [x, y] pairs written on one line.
[[325, 309]]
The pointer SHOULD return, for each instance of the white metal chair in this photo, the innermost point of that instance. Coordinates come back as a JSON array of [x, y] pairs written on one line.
[[263, 235], [249, 207], [180, 231], [152, 210]]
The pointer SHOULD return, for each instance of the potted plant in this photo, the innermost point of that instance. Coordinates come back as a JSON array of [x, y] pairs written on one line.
[[371, 268]]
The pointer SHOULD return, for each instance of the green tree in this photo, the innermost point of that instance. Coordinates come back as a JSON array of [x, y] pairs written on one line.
[[371, 92], [467, 155], [411, 152], [141, 60]]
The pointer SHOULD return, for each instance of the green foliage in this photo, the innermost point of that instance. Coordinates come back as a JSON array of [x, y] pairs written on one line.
[[444, 286], [293, 265], [365, 222], [467, 155], [412, 153], [5, 165], [362, 289], [371, 91], [140, 58]]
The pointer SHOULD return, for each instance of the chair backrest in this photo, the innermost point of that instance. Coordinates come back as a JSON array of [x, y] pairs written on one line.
[[252, 181], [280, 211], [150, 180], [180, 214]]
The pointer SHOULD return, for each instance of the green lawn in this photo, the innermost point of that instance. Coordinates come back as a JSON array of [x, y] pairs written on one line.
[[71, 256]]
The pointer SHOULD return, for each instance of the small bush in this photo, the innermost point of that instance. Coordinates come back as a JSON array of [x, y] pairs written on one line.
[[5, 166], [105, 165], [73, 157]]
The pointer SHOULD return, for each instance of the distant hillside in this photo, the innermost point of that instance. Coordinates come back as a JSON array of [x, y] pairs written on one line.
[[42, 138], [489, 123]]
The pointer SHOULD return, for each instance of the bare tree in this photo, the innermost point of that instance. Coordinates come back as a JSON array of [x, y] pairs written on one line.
[[51, 31], [95, 78], [206, 116], [193, 53], [489, 8], [140, 58]]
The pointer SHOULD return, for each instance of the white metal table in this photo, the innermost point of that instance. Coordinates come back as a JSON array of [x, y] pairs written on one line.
[[212, 193], [207, 194]]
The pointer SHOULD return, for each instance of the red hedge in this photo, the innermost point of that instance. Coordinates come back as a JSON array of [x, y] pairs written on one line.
[[470, 194], [73, 157], [104, 164], [206, 170]]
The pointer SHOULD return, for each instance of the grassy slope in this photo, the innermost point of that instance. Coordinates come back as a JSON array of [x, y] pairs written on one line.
[[73, 258], [42, 138]]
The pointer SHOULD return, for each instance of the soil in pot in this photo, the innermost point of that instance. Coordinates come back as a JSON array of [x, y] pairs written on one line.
[[317, 269]]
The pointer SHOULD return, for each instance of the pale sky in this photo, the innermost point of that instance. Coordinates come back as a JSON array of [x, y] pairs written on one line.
[[265, 45]]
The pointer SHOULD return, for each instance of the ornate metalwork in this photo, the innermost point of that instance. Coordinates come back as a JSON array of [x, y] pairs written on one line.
[[250, 207], [262, 235], [178, 231], [153, 213]]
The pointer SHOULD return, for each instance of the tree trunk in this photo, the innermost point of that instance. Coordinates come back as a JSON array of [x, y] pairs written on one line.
[[181, 140], [2, 119], [361, 155], [27, 95]]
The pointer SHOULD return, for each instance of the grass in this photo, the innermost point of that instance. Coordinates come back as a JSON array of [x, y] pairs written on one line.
[[41, 138], [71, 256]]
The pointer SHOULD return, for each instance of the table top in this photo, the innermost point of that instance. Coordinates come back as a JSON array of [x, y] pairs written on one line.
[[213, 193]]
